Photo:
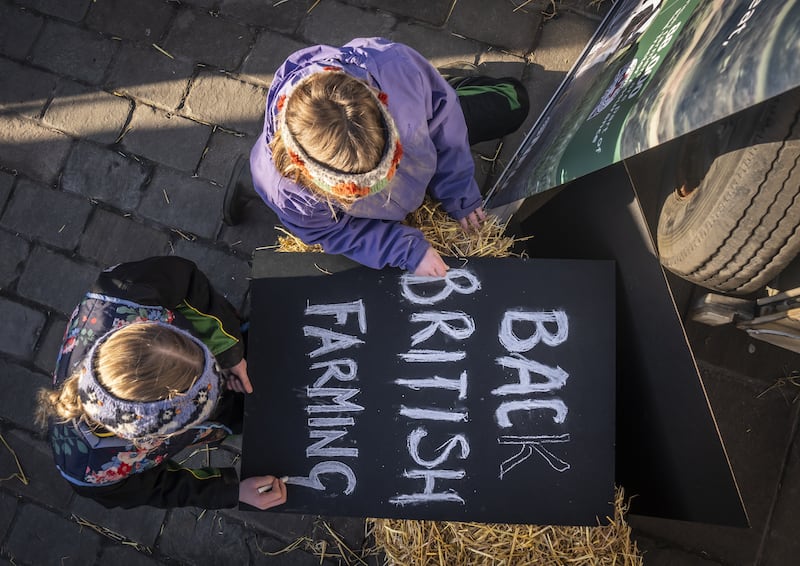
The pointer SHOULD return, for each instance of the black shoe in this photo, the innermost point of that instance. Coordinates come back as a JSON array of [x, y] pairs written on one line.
[[237, 191]]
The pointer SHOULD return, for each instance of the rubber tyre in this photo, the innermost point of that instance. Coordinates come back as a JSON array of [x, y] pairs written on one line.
[[739, 228]]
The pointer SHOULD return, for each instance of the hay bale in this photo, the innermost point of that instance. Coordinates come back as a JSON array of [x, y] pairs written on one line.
[[429, 543]]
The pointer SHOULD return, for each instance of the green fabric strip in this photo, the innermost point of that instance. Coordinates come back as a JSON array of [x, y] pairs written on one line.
[[208, 328], [198, 473], [504, 89]]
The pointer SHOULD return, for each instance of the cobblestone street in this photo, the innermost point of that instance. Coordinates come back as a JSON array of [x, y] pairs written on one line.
[[120, 122]]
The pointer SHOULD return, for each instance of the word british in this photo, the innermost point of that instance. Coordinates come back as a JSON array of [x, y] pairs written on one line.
[[437, 462]]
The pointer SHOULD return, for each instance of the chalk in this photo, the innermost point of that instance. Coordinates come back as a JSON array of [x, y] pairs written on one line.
[[266, 488]]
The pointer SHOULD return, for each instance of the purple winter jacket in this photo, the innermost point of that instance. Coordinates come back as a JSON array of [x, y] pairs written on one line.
[[436, 156]]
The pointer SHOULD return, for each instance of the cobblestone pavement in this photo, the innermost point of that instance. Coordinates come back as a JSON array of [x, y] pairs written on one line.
[[120, 121]]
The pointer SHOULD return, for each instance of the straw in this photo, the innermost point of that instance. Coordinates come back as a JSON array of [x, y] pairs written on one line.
[[20, 473], [429, 543], [443, 232]]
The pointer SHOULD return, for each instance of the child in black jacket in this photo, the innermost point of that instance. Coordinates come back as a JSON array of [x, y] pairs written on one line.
[[150, 357]]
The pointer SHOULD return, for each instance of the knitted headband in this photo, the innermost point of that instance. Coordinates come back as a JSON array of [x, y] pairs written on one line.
[[136, 420], [347, 185]]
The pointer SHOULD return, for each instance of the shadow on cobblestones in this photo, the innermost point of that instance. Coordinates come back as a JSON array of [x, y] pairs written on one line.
[[120, 121]]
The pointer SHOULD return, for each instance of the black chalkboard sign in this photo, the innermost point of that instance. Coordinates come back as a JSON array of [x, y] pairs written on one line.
[[485, 396]]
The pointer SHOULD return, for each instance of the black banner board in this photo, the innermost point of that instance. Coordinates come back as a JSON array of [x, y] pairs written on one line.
[[484, 396]]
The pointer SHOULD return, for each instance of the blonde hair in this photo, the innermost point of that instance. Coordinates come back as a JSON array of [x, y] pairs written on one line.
[[335, 119], [141, 362]]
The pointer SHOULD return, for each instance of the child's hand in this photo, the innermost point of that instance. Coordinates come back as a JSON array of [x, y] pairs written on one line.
[[276, 495], [432, 265], [236, 378], [473, 220]]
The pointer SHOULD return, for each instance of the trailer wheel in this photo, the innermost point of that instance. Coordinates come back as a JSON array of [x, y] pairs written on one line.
[[737, 228]]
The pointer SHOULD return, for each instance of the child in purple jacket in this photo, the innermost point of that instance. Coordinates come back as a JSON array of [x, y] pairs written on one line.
[[355, 136]]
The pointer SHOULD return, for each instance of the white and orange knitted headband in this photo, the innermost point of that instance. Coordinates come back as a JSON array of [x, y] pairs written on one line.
[[345, 185]]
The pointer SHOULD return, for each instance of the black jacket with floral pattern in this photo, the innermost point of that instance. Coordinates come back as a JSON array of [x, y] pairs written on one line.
[[109, 469]]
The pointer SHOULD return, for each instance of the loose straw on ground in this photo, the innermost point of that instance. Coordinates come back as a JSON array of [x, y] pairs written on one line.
[[432, 543], [334, 549], [445, 543], [115, 536], [20, 473], [444, 234]]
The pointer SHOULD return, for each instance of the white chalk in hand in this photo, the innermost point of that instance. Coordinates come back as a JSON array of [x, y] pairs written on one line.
[[268, 487]]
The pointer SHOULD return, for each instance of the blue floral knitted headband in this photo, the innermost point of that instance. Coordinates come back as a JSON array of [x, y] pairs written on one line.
[[141, 421]]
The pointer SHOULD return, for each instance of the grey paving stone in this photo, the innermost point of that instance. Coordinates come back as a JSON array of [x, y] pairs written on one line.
[[54, 280], [228, 274], [166, 138], [73, 51], [20, 30], [283, 17], [20, 386], [200, 3], [6, 182], [221, 152], [266, 549], [147, 75], [195, 205], [268, 53], [72, 10], [41, 537], [496, 63], [105, 175], [87, 112], [219, 99], [50, 344], [256, 229], [124, 554], [9, 471], [433, 12], [204, 38], [8, 506], [145, 20], [20, 326], [59, 224], [561, 41], [140, 524], [440, 49], [501, 24], [45, 484], [15, 251], [25, 90], [32, 149], [348, 529], [110, 239], [756, 428], [333, 23], [208, 538]]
